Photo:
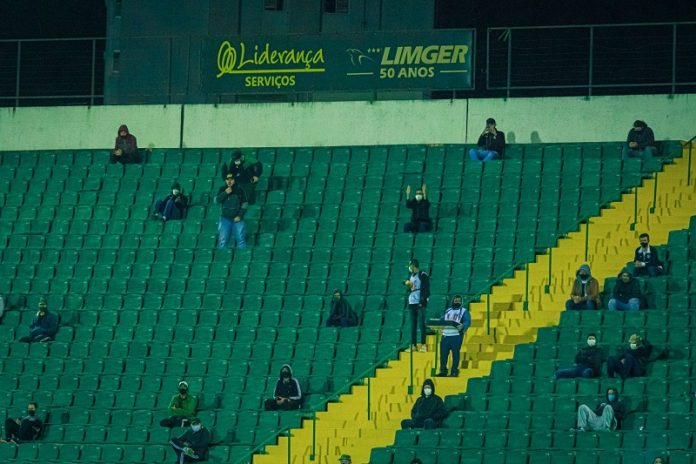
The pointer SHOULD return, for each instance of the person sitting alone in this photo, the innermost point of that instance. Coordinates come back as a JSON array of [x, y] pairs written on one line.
[[640, 142], [342, 314], [173, 206], [287, 394], [192, 446], [633, 362], [588, 361], [626, 293], [491, 143], [606, 416], [420, 217], [126, 147], [44, 326], [27, 428], [585, 292], [428, 410]]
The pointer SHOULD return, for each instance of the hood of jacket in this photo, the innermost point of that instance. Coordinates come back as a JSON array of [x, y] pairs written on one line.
[[122, 128], [428, 382], [586, 268], [285, 366]]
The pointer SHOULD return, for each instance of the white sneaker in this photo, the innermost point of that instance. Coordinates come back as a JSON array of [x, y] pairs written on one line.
[[423, 349], [411, 348]]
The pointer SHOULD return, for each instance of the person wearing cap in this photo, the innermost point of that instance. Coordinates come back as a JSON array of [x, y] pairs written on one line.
[[27, 428], [182, 407], [606, 416], [585, 291], [453, 336], [640, 142], [626, 293], [428, 410], [420, 207], [44, 326], [287, 394], [418, 285], [345, 459], [633, 362], [233, 202], [246, 170], [491, 143], [342, 314], [646, 261], [588, 361], [193, 445], [125, 148], [173, 206]]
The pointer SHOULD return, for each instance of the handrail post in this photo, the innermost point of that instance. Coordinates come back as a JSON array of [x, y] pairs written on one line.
[[369, 389], [674, 58], [635, 209], [94, 65], [17, 74], [688, 168], [433, 371], [654, 200], [547, 287], [488, 314], [590, 65], [525, 305], [587, 238], [289, 451], [314, 437], [509, 63], [410, 386]]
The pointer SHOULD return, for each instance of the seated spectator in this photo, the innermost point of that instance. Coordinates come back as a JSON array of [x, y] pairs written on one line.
[[126, 147], [646, 261], [27, 428], [640, 142], [287, 393], [173, 206], [588, 361], [606, 416], [420, 217], [345, 459], [626, 293], [491, 143], [585, 293], [342, 314], [44, 326], [633, 362], [246, 170], [428, 410], [453, 337], [233, 204], [192, 446], [182, 408]]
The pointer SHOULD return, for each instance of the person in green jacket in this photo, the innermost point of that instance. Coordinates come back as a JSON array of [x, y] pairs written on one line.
[[182, 408]]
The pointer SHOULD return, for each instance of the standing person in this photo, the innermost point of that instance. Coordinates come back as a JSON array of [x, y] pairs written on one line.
[[453, 337], [640, 142], [626, 293], [173, 206], [44, 326], [287, 393], [420, 207], [233, 202], [192, 446], [588, 361], [27, 428], [428, 410], [633, 362], [126, 147], [342, 314], [246, 170], [182, 407], [647, 263], [491, 143], [585, 293], [418, 293], [606, 416]]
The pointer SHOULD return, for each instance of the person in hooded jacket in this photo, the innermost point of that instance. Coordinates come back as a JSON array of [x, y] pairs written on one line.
[[606, 416], [182, 407], [420, 217], [173, 206], [342, 314], [453, 337], [246, 170], [428, 410], [633, 362], [287, 393], [126, 147], [640, 142], [626, 293], [192, 446], [44, 326], [588, 361], [27, 428], [585, 293]]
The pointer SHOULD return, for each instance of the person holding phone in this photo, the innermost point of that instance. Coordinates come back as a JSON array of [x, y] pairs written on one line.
[[491, 143]]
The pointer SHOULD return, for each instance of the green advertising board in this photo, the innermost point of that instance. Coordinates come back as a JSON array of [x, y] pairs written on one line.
[[437, 60]]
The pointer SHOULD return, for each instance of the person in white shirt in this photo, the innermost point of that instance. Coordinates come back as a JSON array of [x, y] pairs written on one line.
[[453, 336]]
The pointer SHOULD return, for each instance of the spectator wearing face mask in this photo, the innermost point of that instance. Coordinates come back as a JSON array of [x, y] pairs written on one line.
[[173, 206], [44, 326], [453, 336], [633, 362], [585, 293], [640, 142], [125, 148], [192, 446], [420, 206], [27, 428], [606, 416], [588, 361], [428, 410], [626, 293], [182, 407], [246, 170], [647, 263], [342, 314], [287, 393]]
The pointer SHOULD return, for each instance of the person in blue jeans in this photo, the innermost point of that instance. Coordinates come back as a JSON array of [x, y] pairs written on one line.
[[626, 293], [453, 336], [233, 203], [588, 361], [491, 143], [173, 206]]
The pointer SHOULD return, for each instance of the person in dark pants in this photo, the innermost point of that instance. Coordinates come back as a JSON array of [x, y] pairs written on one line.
[[420, 217], [182, 407], [44, 326], [453, 337], [428, 410], [173, 206], [192, 446], [588, 361], [585, 292], [287, 393], [634, 361], [418, 293], [126, 147], [342, 314], [27, 428], [491, 143], [246, 170], [640, 142], [626, 293], [647, 263], [233, 202]]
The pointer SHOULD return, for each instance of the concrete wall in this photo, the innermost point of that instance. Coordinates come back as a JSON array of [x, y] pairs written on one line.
[[524, 120]]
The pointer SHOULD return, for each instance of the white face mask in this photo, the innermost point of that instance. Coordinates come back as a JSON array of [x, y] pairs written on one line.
[[633, 346], [196, 428], [419, 197], [175, 192], [427, 391], [592, 342]]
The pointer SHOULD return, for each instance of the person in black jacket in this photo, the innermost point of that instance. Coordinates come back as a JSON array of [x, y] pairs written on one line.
[[588, 361], [192, 446], [44, 326], [428, 410], [634, 361], [125, 148], [287, 394], [491, 143], [342, 314], [626, 293], [640, 142], [606, 416], [646, 261], [246, 171], [418, 293], [233, 202], [27, 428], [173, 206], [420, 217]]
